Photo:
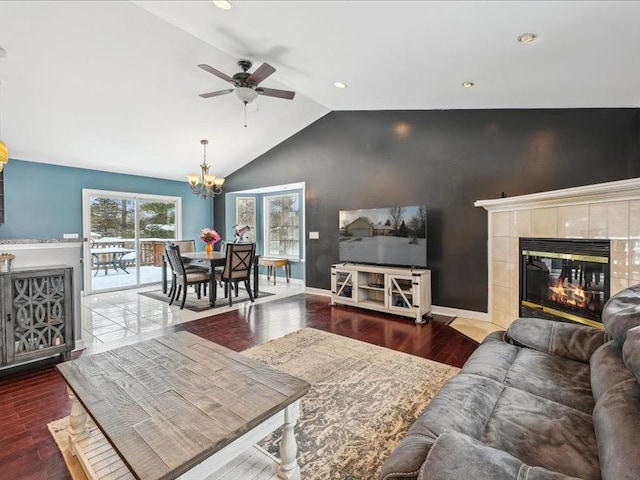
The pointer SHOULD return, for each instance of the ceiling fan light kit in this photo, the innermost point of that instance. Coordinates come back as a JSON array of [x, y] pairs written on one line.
[[246, 84]]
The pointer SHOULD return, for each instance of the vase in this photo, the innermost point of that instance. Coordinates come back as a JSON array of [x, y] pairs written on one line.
[[208, 248]]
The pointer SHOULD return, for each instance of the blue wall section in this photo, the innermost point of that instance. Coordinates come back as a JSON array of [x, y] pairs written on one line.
[[45, 201]]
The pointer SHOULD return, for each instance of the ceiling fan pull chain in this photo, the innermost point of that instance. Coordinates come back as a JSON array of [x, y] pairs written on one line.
[[245, 114]]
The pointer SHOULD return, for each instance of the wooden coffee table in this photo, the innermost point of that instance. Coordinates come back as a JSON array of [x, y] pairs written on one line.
[[180, 406]]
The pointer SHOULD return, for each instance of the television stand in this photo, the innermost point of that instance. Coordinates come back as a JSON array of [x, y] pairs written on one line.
[[397, 290]]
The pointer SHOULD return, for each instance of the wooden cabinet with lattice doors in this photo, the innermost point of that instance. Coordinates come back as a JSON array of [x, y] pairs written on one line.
[[37, 314]]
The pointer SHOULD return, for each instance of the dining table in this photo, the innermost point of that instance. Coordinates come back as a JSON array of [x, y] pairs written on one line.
[[211, 260]]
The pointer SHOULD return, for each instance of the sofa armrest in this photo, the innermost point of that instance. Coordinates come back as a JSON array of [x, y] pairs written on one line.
[[456, 456], [577, 342]]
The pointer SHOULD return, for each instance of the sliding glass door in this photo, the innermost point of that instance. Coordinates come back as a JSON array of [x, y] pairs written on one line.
[[126, 233]]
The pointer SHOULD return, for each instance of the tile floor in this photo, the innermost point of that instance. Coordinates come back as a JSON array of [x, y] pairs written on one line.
[[475, 329], [113, 316]]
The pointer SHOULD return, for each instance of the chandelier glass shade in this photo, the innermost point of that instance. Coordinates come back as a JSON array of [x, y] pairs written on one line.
[[204, 184]]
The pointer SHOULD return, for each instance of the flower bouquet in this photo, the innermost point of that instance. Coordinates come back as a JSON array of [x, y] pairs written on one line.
[[210, 237]]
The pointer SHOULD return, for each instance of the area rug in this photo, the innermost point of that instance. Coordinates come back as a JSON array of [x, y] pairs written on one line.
[[58, 430], [200, 305], [363, 399]]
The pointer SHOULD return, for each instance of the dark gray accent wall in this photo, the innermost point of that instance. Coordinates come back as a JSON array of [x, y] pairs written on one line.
[[446, 160]]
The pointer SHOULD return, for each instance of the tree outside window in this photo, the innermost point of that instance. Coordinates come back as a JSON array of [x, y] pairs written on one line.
[[282, 225], [246, 215]]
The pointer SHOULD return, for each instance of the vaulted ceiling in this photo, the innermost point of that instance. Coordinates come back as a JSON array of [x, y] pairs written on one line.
[[114, 86]]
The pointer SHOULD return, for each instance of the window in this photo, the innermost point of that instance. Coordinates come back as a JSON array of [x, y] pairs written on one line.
[[125, 230], [282, 225], [246, 215]]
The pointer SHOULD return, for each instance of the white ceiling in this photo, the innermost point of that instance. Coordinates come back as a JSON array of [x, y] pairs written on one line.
[[114, 85]]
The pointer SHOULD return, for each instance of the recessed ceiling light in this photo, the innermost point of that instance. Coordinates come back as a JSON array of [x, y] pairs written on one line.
[[468, 84], [223, 4], [527, 37], [339, 85]]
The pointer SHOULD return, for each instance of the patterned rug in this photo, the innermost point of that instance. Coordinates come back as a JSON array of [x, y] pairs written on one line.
[[200, 305], [363, 399]]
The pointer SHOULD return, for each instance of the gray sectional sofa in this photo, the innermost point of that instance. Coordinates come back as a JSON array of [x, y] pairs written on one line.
[[546, 400]]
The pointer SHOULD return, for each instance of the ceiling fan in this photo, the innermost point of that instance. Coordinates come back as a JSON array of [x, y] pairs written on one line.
[[246, 84]]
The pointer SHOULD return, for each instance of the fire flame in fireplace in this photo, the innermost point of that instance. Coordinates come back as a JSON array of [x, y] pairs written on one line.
[[569, 295]]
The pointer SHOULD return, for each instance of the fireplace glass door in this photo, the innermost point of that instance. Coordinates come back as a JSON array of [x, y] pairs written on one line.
[[564, 279]]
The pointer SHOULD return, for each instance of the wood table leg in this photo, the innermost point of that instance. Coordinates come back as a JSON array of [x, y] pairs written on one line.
[[213, 288], [164, 275], [256, 277], [289, 468], [77, 428]]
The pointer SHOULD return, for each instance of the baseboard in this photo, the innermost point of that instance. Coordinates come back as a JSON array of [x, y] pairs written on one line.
[[79, 345], [458, 312], [318, 291]]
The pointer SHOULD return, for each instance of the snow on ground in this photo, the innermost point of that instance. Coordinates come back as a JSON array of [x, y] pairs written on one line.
[[381, 249]]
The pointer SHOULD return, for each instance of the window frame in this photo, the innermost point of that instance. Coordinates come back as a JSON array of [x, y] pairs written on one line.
[[254, 232], [267, 198]]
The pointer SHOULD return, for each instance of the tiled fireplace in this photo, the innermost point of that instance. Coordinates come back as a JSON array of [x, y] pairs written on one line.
[[608, 211]]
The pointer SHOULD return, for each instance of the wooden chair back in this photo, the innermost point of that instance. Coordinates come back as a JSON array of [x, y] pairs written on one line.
[[175, 260], [238, 261], [186, 246]]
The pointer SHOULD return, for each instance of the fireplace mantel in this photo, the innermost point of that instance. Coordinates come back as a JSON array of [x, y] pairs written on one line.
[[603, 211], [601, 192]]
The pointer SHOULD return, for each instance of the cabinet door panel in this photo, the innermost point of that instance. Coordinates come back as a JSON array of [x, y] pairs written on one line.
[[400, 291], [40, 314]]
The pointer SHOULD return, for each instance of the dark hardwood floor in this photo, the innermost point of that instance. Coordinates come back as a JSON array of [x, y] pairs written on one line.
[[28, 401]]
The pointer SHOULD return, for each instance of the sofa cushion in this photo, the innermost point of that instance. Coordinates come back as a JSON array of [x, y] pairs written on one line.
[[444, 462], [464, 404], [607, 368], [631, 352], [492, 359], [577, 342], [544, 433], [555, 378], [616, 419], [621, 313]]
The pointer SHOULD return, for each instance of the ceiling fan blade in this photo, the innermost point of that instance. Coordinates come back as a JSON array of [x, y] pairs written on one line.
[[260, 74], [274, 92], [217, 73], [216, 94]]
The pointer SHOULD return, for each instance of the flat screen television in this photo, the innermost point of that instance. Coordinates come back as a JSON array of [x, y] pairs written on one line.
[[385, 236]]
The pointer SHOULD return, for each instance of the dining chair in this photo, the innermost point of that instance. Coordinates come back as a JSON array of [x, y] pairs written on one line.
[[187, 246], [181, 278], [237, 268]]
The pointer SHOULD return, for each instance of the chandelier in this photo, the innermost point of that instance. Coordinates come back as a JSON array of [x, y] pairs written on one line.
[[204, 184]]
